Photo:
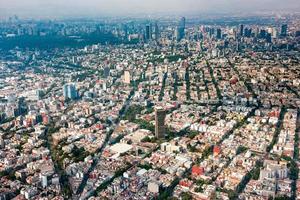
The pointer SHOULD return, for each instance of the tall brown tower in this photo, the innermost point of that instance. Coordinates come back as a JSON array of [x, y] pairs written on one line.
[[160, 129]]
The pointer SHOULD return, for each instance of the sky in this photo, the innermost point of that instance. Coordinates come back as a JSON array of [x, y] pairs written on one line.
[[63, 8]]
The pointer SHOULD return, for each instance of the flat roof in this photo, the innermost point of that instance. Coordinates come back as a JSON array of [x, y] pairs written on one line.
[[120, 148]]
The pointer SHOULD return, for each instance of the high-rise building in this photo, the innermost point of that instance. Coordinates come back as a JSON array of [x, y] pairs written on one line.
[[247, 32], [151, 31], [274, 33], [104, 86], [106, 72], [263, 34], [148, 32], [65, 90], [127, 77], [284, 29], [181, 29], [269, 37], [44, 180], [160, 115], [176, 34], [219, 33], [156, 31], [211, 32], [241, 30], [69, 91], [39, 94], [257, 32], [238, 46], [125, 28], [182, 22]]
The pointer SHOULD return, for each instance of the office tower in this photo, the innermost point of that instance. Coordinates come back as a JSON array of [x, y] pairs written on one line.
[[238, 46], [211, 32], [274, 33], [65, 90], [241, 30], [104, 86], [106, 72], [179, 33], [127, 78], [247, 32], [219, 33], [156, 31], [263, 34], [257, 32], [148, 32], [39, 94], [176, 33], [234, 34], [44, 180], [181, 29], [182, 22], [125, 32], [151, 31], [69, 91], [72, 93], [284, 29], [160, 115], [269, 37]]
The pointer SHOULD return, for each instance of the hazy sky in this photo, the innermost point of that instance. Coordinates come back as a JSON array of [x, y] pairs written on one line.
[[59, 8]]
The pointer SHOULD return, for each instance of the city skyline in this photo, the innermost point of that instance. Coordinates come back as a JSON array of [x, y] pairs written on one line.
[[93, 8]]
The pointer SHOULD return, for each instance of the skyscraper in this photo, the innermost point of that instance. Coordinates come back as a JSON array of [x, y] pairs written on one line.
[[39, 94], [269, 37], [182, 22], [219, 33], [247, 32], [211, 32], [65, 90], [284, 29], [106, 72], [69, 91], [148, 32], [241, 30], [160, 115], [44, 180], [263, 34], [127, 77], [151, 31], [125, 32], [156, 31], [181, 29]]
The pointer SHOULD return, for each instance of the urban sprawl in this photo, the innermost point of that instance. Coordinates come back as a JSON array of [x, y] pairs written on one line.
[[150, 109]]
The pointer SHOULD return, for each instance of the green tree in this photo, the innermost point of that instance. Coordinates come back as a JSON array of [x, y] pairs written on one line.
[[186, 196]]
